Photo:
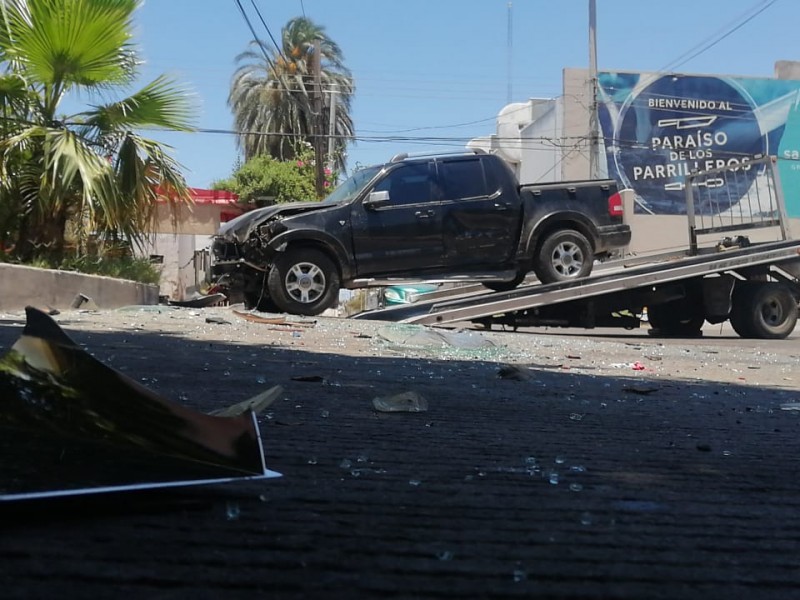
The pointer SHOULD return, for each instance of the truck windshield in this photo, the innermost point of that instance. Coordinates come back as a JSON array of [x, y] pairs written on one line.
[[351, 187]]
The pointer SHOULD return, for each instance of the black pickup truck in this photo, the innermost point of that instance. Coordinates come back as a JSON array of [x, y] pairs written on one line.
[[447, 217]]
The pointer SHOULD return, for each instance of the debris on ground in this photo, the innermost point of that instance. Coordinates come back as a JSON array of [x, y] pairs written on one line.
[[257, 404], [309, 378], [405, 402], [639, 390], [83, 302], [276, 320], [217, 321], [404, 338], [514, 373], [420, 335], [201, 301]]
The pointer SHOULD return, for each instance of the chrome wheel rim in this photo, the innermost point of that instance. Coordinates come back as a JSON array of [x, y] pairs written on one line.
[[567, 259], [305, 282]]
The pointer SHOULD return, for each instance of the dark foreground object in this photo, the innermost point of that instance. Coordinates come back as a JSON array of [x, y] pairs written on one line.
[[561, 486]]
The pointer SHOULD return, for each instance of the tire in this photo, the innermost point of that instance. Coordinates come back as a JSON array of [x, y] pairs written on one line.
[[256, 296], [766, 311], [682, 318], [303, 282], [259, 302], [740, 309], [563, 255], [505, 286]]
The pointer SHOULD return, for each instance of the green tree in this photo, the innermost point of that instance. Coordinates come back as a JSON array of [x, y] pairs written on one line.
[[88, 172], [272, 94], [264, 177]]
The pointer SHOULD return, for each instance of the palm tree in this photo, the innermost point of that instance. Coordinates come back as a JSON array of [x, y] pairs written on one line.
[[90, 172], [272, 94]]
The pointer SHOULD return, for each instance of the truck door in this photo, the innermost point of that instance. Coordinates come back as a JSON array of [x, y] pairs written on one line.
[[403, 232], [481, 220]]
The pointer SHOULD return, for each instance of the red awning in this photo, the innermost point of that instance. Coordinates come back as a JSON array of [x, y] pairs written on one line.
[[201, 196]]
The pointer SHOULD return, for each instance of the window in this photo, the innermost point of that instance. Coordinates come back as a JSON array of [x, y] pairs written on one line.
[[408, 184], [462, 179]]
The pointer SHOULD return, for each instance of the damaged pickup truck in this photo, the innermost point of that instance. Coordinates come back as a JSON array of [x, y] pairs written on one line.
[[439, 218]]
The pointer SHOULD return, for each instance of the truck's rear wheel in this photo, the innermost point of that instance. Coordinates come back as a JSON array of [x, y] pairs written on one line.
[[765, 310], [680, 318], [505, 286], [563, 256], [303, 282]]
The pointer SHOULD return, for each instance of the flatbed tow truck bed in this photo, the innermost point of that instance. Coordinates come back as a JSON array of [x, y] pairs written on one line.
[[755, 286]]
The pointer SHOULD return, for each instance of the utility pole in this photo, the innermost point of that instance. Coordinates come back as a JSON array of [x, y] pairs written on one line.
[[594, 146], [332, 129], [318, 121]]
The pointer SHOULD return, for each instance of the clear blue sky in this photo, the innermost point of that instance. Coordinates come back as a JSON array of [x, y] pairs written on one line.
[[438, 71]]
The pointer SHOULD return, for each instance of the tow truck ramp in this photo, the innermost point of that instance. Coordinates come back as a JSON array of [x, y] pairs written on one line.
[[754, 285]]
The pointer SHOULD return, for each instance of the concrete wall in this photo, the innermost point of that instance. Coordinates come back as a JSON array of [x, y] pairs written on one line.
[[46, 288], [577, 102], [177, 245]]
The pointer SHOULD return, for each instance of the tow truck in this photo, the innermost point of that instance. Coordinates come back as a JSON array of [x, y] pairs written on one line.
[[753, 284]]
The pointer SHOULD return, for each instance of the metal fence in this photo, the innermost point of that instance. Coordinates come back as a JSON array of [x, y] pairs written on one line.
[[735, 199]]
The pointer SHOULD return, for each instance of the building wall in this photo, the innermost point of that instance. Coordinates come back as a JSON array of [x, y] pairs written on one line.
[[182, 248], [541, 149], [577, 101]]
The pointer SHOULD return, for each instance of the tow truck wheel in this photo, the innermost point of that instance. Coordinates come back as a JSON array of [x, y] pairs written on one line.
[[303, 282], [765, 311], [679, 318], [563, 256]]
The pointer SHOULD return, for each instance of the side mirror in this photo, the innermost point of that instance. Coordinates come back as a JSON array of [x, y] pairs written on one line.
[[376, 200]]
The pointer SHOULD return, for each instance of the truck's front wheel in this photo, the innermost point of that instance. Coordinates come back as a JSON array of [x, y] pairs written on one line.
[[563, 256], [303, 282]]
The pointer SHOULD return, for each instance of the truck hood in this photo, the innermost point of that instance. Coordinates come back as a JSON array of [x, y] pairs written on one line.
[[241, 227]]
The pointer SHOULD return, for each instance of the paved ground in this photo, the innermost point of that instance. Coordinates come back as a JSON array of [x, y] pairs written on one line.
[[594, 478]]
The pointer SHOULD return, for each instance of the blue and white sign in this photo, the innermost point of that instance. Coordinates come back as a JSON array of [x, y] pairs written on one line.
[[659, 128]]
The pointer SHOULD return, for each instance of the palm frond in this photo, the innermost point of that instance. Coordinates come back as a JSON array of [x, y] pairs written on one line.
[[162, 103], [71, 163]]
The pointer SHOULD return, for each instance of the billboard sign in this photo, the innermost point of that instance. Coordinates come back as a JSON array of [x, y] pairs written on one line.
[[658, 128]]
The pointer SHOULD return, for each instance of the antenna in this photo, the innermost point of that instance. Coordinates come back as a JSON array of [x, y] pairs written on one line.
[[510, 48]]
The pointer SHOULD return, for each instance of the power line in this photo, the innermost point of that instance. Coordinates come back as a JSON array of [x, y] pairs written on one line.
[[264, 23], [255, 35], [703, 46]]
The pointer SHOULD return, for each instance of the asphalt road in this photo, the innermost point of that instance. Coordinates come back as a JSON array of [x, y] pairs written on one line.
[[619, 466]]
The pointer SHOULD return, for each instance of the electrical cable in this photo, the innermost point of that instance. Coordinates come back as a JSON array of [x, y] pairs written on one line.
[[264, 23], [255, 35], [733, 28]]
